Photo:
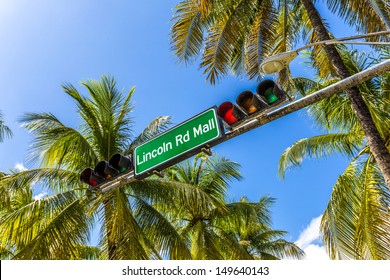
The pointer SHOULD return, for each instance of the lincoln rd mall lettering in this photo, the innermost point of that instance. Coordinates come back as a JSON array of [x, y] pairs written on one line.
[[183, 138]]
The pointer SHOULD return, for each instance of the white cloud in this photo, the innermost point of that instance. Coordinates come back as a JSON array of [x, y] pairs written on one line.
[[20, 167], [310, 233], [315, 252], [40, 196], [309, 237]]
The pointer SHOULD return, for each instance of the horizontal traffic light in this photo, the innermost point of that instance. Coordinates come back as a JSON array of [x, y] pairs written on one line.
[[268, 95], [105, 170]]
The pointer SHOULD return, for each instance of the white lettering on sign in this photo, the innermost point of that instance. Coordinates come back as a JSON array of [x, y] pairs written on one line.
[[204, 128], [154, 153], [180, 139]]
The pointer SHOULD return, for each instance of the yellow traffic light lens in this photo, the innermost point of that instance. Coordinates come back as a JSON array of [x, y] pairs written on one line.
[[245, 101]]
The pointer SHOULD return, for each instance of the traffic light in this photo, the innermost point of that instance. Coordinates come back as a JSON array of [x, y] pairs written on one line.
[[248, 104], [121, 163], [271, 92], [229, 112], [105, 170], [89, 177]]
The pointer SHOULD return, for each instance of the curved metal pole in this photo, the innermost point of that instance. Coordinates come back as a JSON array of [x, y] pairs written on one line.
[[341, 40]]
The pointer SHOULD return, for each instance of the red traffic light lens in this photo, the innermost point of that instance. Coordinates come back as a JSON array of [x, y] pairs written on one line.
[[226, 112], [229, 117]]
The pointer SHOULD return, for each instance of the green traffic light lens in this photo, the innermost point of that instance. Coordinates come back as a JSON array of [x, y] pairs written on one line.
[[270, 96]]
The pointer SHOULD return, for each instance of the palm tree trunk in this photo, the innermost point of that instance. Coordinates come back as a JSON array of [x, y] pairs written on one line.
[[374, 139]]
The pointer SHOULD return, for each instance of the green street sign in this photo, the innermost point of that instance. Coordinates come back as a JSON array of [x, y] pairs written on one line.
[[177, 143]]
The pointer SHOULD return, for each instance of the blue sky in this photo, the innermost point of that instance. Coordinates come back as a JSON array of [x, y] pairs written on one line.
[[47, 43]]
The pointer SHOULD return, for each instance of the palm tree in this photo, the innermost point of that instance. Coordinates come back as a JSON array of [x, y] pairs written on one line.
[[356, 221], [55, 226], [215, 229], [239, 33], [12, 201], [247, 226], [4, 130]]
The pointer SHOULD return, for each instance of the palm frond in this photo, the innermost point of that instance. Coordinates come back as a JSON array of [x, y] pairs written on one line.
[[57, 144], [362, 14], [203, 243], [356, 221], [86, 252], [165, 238], [5, 131], [107, 125], [319, 146], [279, 249], [225, 37], [56, 180], [217, 175], [154, 128], [187, 30], [373, 225], [48, 228], [122, 237], [258, 42]]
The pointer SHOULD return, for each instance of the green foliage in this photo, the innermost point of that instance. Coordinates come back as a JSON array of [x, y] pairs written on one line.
[[215, 229]]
